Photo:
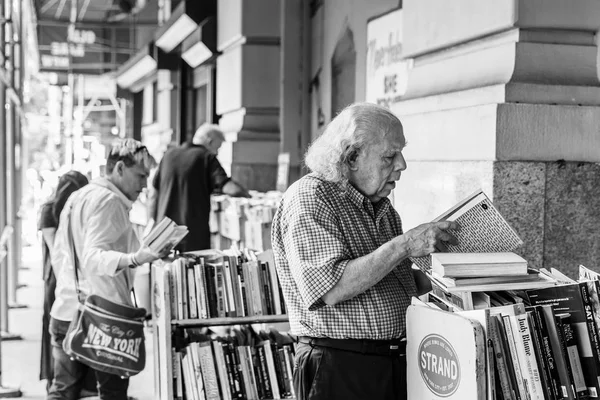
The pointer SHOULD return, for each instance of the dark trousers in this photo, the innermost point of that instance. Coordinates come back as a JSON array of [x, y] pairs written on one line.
[[46, 362], [69, 375], [324, 373]]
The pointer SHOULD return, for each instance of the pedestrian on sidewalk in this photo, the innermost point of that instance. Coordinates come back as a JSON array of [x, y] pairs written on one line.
[[48, 224], [96, 219], [185, 179]]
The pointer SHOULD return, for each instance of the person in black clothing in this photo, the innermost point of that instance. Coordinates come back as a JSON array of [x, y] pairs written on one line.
[[48, 224], [185, 179]]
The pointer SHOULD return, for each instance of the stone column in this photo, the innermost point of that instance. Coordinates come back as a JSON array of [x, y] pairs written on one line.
[[504, 95], [248, 89]]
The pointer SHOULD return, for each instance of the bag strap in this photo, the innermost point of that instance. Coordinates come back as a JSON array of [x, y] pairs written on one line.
[[75, 260]]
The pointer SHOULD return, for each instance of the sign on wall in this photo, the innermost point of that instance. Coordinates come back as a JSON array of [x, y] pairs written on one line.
[[386, 71]]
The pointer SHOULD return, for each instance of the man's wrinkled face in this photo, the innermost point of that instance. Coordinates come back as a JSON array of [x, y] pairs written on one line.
[[134, 180], [378, 166]]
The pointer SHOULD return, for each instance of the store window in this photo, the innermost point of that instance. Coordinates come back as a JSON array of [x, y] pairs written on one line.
[[343, 73]]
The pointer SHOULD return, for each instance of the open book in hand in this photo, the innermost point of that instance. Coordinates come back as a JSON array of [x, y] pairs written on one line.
[[482, 229], [165, 235]]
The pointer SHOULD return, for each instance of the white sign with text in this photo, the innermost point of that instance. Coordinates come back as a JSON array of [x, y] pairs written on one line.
[[386, 71]]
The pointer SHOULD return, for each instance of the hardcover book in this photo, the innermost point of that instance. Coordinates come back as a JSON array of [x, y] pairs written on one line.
[[567, 390], [482, 229], [469, 265]]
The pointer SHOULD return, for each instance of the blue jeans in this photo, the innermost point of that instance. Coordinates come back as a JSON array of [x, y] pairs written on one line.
[[69, 375]]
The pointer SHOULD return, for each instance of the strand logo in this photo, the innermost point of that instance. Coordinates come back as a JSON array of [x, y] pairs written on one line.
[[439, 366]]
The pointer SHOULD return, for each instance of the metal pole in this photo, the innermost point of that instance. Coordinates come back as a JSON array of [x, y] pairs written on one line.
[[3, 187], [6, 230]]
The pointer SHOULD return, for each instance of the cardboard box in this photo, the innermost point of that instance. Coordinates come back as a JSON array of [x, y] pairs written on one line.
[[231, 226], [258, 235], [213, 221]]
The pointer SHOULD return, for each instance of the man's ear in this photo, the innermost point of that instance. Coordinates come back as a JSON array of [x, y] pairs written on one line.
[[351, 160], [119, 167]]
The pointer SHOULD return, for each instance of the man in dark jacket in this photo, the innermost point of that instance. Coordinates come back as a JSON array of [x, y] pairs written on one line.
[[185, 179]]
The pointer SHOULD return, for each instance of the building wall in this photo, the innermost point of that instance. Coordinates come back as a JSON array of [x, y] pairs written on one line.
[[500, 95], [329, 25]]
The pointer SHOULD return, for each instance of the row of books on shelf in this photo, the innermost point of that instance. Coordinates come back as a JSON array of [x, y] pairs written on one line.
[[542, 343], [224, 283], [243, 365]]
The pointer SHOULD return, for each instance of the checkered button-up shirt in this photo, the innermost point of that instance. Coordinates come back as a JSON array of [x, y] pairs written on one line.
[[318, 228]]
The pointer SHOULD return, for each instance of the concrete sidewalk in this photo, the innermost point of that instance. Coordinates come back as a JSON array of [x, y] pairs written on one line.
[[21, 358]]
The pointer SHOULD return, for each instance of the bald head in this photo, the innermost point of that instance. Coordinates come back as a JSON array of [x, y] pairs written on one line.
[[209, 136]]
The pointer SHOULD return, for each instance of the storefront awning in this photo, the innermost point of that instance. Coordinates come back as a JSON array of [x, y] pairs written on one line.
[[184, 20], [144, 63], [82, 48], [201, 45]]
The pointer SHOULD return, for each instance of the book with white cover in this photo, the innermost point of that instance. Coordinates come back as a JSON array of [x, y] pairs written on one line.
[[463, 265], [482, 229]]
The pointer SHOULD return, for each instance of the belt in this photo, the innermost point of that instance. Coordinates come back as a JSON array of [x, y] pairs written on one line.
[[393, 348]]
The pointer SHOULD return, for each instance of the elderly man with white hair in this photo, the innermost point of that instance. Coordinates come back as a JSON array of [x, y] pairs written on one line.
[[185, 179], [343, 260]]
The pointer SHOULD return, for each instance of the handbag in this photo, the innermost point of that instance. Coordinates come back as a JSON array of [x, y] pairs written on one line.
[[105, 335]]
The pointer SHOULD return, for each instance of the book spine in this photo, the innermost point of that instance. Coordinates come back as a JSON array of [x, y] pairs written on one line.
[[534, 381], [555, 336], [220, 291], [263, 373], [521, 385], [209, 374], [275, 288], [177, 374], [592, 334], [278, 371], [502, 371], [242, 284], [184, 290], [188, 382], [197, 382], [211, 290], [200, 290], [256, 288], [570, 343], [539, 355], [289, 365], [236, 371], [231, 301], [548, 356], [266, 281], [247, 368], [286, 380], [191, 282], [234, 384], [221, 370]]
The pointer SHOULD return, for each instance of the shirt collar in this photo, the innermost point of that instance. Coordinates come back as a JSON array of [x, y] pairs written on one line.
[[362, 202], [105, 183]]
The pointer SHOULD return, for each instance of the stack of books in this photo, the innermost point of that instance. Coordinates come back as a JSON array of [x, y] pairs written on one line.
[[478, 272]]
